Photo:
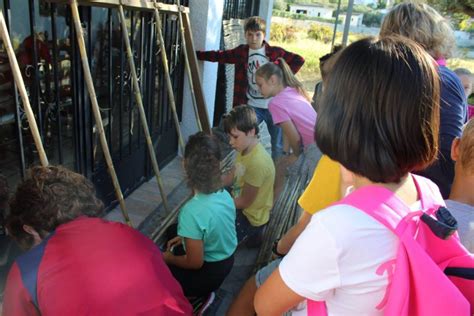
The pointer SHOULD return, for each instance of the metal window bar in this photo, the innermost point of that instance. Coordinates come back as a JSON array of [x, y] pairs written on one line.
[[79, 134]]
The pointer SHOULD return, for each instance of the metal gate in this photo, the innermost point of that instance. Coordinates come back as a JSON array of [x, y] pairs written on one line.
[[44, 41]]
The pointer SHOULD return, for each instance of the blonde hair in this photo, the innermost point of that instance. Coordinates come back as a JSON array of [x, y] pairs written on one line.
[[424, 25], [466, 148], [281, 69]]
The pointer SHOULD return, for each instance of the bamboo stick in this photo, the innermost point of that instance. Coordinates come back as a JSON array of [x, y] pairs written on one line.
[[21, 88], [187, 66], [95, 108], [142, 5], [169, 86], [139, 100], [168, 220]]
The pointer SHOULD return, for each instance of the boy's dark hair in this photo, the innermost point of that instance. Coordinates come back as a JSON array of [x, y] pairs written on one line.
[[255, 24], [48, 197], [242, 118], [202, 158], [379, 115]]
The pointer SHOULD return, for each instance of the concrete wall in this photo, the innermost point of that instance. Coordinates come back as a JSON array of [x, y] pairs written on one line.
[[206, 24]]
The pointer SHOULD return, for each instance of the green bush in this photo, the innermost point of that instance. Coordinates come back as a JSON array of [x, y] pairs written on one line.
[[282, 33], [320, 33]]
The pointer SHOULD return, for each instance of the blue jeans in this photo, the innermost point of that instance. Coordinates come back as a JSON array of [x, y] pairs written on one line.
[[273, 130]]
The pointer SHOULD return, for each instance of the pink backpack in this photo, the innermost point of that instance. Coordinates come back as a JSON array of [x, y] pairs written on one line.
[[433, 276]]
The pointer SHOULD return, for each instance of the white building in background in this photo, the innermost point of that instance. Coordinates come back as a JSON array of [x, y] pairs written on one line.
[[312, 10], [356, 19]]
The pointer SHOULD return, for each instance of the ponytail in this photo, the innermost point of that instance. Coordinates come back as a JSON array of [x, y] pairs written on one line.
[[281, 69]]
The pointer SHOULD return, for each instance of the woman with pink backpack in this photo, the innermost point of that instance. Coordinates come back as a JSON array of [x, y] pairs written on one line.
[[379, 118]]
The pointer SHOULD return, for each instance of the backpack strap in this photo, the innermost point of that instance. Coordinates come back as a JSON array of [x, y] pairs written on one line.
[[383, 205], [29, 263]]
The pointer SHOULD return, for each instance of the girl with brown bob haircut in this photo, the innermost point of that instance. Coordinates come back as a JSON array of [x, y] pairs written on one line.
[[380, 113], [379, 118]]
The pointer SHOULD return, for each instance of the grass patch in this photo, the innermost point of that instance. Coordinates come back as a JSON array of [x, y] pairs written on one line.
[[311, 50], [454, 63]]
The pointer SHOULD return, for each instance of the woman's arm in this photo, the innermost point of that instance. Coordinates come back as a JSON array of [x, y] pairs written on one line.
[[291, 133], [274, 297], [193, 259]]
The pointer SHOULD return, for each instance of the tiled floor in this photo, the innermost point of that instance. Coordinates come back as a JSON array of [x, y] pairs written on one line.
[[147, 198]]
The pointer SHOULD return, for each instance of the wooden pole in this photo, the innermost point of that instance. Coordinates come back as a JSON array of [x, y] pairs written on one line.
[[186, 64], [21, 88], [139, 100], [95, 108], [169, 86]]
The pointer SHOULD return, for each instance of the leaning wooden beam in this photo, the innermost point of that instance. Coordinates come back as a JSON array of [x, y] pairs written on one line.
[[95, 109], [193, 63], [169, 86], [139, 100], [21, 88], [142, 5], [188, 68], [168, 220]]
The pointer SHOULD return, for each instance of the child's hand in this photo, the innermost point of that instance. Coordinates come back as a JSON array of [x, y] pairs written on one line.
[[176, 241], [167, 256]]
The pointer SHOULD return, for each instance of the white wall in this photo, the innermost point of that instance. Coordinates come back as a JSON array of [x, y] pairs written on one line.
[[313, 11], [356, 19], [206, 24]]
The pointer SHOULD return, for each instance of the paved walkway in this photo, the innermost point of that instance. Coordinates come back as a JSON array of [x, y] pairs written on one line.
[[147, 198]]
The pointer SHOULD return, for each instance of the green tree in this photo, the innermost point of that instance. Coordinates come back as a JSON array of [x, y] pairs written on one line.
[[464, 6], [280, 5]]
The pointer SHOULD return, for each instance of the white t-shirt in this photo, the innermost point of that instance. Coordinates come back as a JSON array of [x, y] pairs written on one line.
[[256, 59], [340, 258]]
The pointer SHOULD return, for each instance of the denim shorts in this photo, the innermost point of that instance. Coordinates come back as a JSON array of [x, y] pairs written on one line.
[[263, 274]]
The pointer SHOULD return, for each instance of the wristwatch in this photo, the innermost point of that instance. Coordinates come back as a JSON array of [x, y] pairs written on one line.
[[275, 249]]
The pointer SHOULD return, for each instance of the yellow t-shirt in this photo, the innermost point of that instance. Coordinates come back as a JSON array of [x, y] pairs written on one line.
[[256, 168], [324, 187]]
